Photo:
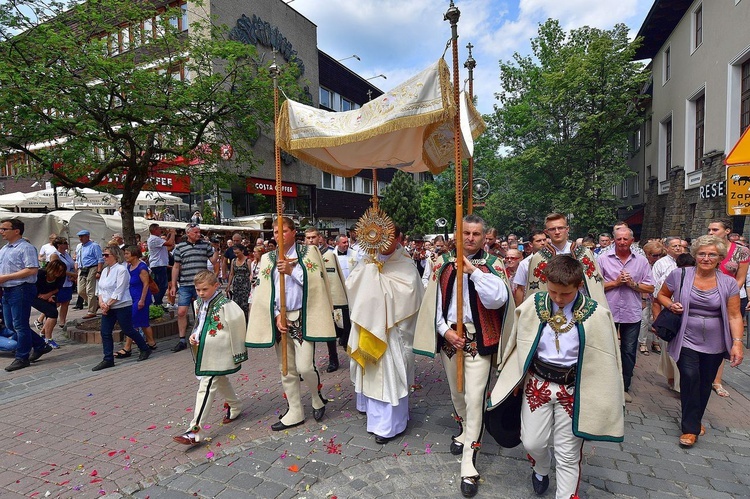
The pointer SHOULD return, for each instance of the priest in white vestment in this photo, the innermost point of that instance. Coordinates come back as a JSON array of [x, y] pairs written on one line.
[[385, 293]]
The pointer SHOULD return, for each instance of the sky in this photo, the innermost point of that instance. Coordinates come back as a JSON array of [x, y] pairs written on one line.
[[399, 38]]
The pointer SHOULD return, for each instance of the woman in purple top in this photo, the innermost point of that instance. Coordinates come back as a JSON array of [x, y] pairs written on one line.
[[142, 299], [711, 328]]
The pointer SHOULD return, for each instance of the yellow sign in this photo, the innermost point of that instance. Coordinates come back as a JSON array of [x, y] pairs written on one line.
[[738, 190]]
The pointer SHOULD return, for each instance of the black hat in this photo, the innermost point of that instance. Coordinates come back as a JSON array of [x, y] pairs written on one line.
[[503, 421]]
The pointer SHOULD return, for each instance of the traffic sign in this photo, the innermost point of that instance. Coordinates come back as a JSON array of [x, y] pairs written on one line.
[[738, 190]]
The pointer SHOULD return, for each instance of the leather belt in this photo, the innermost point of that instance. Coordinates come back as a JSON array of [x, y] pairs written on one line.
[[564, 375]]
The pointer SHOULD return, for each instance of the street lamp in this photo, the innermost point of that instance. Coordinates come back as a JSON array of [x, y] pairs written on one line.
[[377, 76], [353, 56]]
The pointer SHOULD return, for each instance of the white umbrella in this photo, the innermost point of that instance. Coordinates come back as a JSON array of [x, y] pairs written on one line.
[[148, 198]]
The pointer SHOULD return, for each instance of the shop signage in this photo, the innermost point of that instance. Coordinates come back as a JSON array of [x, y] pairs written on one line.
[[713, 190], [268, 187], [255, 31]]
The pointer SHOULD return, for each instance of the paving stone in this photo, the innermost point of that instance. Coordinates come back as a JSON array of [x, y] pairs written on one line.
[[607, 474], [736, 489], [708, 493], [206, 488]]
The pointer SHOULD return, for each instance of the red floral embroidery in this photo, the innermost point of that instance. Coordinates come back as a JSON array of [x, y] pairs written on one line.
[[219, 326], [216, 318], [539, 271], [212, 332], [476, 445], [537, 395], [588, 266], [566, 400]]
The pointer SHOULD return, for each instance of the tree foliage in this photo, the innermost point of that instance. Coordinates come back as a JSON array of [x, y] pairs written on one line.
[[105, 101], [563, 119], [401, 201]]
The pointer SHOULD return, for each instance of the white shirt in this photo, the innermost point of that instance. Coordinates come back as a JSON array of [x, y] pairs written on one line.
[[661, 269], [569, 343], [158, 255], [522, 273], [292, 284], [201, 319], [46, 251], [114, 283], [347, 261], [491, 291]]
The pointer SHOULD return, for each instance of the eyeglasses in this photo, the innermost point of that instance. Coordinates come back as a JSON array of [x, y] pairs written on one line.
[[105, 255], [3, 229], [512, 258], [655, 255], [710, 256], [557, 229]]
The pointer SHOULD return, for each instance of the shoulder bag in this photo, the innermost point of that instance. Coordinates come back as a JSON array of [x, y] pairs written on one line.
[[667, 324]]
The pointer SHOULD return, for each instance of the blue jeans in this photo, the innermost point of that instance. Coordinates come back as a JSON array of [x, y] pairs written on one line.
[[124, 317], [628, 348], [160, 277], [16, 312]]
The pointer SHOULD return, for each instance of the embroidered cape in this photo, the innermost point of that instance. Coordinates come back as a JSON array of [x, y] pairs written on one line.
[[598, 407], [317, 311], [593, 280], [222, 339]]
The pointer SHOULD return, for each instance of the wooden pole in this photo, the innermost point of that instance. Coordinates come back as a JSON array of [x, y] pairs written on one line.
[[452, 15], [470, 64], [274, 70], [375, 200]]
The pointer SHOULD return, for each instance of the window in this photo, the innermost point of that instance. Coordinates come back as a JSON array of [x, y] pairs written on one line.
[[624, 187], [148, 30], [184, 20], [697, 27], [367, 186], [637, 184], [635, 142], [667, 64], [326, 98], [745, 97], [700, 116], [668, 144], [349, 184], [327, 181], [346, 104], [648, 130]]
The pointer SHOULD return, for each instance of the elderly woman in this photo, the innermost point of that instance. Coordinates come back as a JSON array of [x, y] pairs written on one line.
[[113, 291], [711, 329], [654, 250]]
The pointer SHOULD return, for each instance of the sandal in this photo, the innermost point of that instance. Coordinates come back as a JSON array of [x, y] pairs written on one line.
[[152, 347], [656, 348], [123, 354], [642, 348], [720, 390]]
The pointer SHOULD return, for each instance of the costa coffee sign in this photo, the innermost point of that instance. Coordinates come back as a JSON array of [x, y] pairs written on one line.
[[268, 187]]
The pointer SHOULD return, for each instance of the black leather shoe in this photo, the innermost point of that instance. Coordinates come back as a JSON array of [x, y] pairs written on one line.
[[382, 440], [456, 448], [540, 486], [144, 354], [332, 368], [318, 413], [278, 425], [17, 364], [34, 356], [103, 365], [181, 345], [469, 486]]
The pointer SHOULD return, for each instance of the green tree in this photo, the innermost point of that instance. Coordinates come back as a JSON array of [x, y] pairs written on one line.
[[563, 117], [99, 84], [401, 201]]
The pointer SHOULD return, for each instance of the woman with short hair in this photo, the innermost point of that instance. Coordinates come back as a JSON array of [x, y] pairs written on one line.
[[113, 292], [711, 328]]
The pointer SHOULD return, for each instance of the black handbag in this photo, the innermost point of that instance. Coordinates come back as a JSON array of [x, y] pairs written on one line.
[[667, 324]]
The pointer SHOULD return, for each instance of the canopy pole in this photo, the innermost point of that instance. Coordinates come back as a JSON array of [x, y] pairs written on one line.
[[274, 71], [470, 64], [375, 200], [452, 16]]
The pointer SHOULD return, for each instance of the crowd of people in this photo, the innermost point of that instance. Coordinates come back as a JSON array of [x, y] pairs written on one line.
[[562, 322]]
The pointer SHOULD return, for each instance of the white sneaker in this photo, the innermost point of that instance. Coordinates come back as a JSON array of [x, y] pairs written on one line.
[[38, 325]]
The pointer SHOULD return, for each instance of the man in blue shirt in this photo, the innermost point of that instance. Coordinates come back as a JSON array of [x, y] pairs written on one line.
[[19, 265], [89, 261]]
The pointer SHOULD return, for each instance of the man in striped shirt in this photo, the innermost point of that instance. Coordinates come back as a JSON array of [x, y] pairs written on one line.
[[190, 257]]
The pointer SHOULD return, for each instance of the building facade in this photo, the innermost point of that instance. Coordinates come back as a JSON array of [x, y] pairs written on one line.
[[699, 107]]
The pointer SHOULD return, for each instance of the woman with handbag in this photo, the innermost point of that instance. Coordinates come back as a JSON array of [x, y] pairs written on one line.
[[141, 296], [711, 328]]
